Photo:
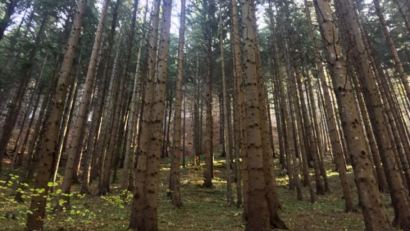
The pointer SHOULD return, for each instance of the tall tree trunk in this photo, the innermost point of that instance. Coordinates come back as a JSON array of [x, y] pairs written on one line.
[[393, 50], [373, 210], [82, 117], [38, 203], [132, 120], [332, 123], [136, 220], [258, 214], [240, 103], [33, 116], [66, 121], [100, 137], [104, 187], [184, 134], [19, 96], [150, 216], [227, 132], [375, 106], [174, 184]]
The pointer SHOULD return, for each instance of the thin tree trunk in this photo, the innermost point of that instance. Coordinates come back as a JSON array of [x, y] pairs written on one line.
[[132, 120], [174, 185], [19, 96], [393, 50], [241, 108], [104, 187], [80, 124]]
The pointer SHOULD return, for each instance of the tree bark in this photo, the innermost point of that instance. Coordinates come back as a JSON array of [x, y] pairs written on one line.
[[19, 96], [136, 221], [38, 203], [372, 207], [375, 106], [132, 120], [150, 216], [174, 185], [258, 214], [240, 104], [227, 132]]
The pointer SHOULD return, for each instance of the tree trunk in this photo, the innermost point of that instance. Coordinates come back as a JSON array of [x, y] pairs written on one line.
[[132, 120], [19, 96], [226, 131], [38, 203], [136, 221], [150, 216], [241, 107], [375, 107], [372, 207], [174, 184], [208, 174], [104, 187], [393, 50], [258, 214], [83, 112], [97, 149]]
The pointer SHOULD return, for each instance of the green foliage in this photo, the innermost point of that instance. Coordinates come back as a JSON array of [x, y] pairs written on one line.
[[124, 198], [76, 214]]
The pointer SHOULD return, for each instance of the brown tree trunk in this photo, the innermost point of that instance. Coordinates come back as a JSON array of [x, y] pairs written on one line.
[[226, 131], [174, 184], [80, 124], [12, 115], [208, 174], [393, 50], [137, 221], [105, 178], [372, 208], [240, 104], [132, 120], [375, 107], [258, 214], [38, 203], [331, 121], [150, 216]]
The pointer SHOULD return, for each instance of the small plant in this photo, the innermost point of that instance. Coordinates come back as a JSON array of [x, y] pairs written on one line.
[[18, 211], [119, 200]]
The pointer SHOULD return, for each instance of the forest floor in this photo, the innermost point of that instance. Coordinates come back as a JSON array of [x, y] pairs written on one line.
[[204, 208]]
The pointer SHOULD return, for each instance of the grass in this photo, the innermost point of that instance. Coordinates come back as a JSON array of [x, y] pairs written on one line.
[[204, 209]]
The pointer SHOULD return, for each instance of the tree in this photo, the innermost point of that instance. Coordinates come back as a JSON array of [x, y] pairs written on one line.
[[38, 203], [136, 221], [174, 184], [373, 211]]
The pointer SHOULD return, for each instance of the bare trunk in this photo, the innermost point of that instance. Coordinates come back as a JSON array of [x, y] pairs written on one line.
[[132, 120], [38, 203], [373, 211], [136, 221], [174, 184], [241, 108], [258, 214]]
